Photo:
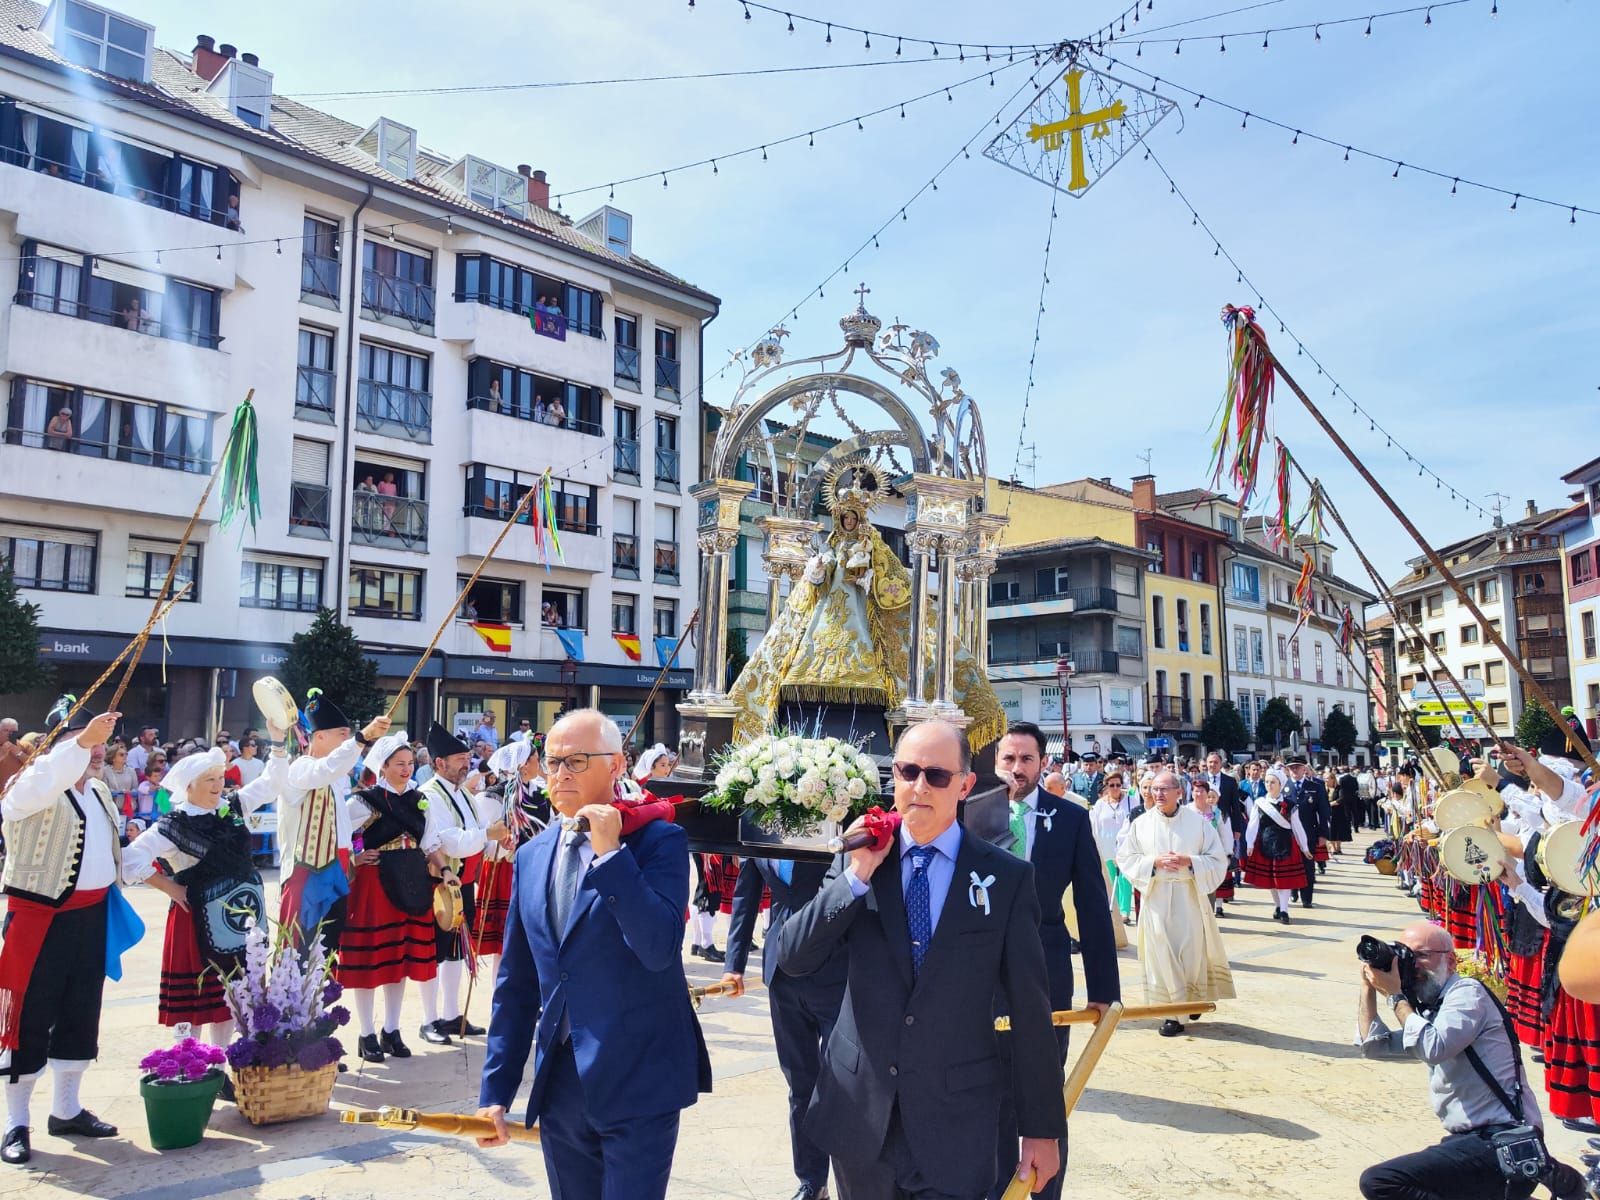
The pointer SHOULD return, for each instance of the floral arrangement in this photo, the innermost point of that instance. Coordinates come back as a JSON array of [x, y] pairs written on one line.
[[284, 1005], [791, 784], [187, 1062]]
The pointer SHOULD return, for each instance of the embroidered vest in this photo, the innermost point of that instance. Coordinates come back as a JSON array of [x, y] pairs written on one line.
[[316, 842], [460, 814], [44, 851]]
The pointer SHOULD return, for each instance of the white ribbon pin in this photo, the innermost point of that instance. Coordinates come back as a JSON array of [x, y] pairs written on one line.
[[978, 892], [1046, 817]]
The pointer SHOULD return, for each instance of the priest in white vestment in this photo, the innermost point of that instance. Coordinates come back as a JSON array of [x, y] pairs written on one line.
[[1175, 858]]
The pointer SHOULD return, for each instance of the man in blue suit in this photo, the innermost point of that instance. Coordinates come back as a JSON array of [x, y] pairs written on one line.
[[591, 979], [1055, 836], [803, 1009]]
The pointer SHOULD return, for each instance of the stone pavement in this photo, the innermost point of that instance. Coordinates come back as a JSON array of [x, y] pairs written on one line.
[[1265, 1098]]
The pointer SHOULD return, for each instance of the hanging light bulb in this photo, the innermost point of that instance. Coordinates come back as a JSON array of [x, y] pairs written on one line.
[[1178, 49], [1316, 35], [280, 249], [1514, 200], [1244, 123], [868, 45], [1397, 167], [746, 9], [1264, 45], [663, 179], [1296, 140], [1368, 33], [763, 154], [829, 38], [1222, 45], [714, 170], [1428, 17], [1453, 184], [791, 19]]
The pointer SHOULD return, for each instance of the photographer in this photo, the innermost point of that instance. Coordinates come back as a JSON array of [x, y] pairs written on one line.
[[1493, 1128]]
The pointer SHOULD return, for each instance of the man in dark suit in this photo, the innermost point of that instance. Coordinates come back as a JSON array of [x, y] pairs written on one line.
[[1233, 804], [591, 978], [1316, 815], [803, 1009], [1057, 839], [913, 1077]]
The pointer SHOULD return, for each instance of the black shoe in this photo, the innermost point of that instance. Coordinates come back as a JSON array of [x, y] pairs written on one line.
[[1074, 946], [392, 1045], [1322, 868], [712, 954], [1295, 894], [1575, 1124], [461, 1027], [433, 1033], [85, 1124], [1194, 1016], [369, 1050], [1284, 916], [1307, 904], [226, 1091], [810, 1192], [1170, 1028], [15, 1149], [1220, 913]]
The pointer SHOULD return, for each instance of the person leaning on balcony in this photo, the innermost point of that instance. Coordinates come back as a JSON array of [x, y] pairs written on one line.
[[494, 395], [58, 434], [558, 411]]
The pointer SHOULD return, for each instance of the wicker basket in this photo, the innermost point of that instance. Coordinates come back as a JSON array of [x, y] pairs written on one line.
[[268, 1095]]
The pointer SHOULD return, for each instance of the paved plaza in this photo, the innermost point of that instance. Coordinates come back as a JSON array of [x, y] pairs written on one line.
[[1267, 1098]]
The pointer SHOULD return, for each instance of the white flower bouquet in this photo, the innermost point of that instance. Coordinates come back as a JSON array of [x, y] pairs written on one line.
[[791, 784]]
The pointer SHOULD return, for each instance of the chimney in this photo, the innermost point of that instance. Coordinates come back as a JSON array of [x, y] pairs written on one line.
[[227, 50], [250, 60], [538, 186], [1533, 510], [208, 63], [1144, 492]]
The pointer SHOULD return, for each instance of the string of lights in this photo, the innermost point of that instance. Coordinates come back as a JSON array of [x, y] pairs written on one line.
[[1038, 325], [1265, 306], [1122, 27], [989, 50], [1250, 116], [1246, 36], [809, 134]]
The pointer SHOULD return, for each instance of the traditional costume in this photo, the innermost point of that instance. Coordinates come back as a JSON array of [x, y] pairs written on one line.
[[525, 809], [317, 844], [388, 934], [1107, 820], [453, 829], [1219, 821], [1276, 856], [1180, 947], [207, 852], [63, 858]]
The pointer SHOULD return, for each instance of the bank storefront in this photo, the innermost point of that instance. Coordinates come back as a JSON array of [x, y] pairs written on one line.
[[1100, 718]]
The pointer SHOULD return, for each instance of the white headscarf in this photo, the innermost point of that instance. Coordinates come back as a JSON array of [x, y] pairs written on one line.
[[382, 750], [511, 758], [188, 769], [648, 760]]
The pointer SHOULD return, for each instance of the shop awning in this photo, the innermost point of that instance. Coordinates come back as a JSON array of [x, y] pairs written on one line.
[[1127, 744]]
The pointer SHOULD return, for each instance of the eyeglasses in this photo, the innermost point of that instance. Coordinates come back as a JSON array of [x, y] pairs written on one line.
[[576, 764], [1163, 787], [937, 776]]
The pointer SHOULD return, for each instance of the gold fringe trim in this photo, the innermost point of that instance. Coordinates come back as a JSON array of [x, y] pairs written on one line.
[[822, 694]]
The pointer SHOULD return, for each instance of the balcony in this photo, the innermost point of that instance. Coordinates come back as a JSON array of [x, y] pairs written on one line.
[[667, 468], [1097, 662], [111, 358], [537, 415], [625, 460], [666, 561], [389, 296], [625, 555], [627, 367], [398, 522], [667, 378], [1170, 710], [1030, 603], [308, 510], [319, 276], [313, 394], [394, 410], [131, 320]]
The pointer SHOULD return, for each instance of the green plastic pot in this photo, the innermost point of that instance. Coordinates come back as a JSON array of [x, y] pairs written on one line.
[[177, 1113]]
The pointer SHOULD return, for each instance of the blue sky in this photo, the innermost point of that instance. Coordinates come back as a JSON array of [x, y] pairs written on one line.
[[1466, 328]]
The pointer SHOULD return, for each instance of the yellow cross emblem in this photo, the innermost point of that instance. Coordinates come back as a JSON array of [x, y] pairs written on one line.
[[1098, 123]]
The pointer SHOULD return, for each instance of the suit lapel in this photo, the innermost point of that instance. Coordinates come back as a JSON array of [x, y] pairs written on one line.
[[887, 899]]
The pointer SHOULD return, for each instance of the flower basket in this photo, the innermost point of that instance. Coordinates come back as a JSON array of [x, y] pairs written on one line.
[[177, 1112], [269, 1095], [794, 785]]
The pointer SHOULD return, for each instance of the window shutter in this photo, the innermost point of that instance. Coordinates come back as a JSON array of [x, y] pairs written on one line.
[[310, 462]]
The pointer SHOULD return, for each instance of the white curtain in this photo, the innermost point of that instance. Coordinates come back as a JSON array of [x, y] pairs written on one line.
[[30, 137], [92, 433], [35, 414], [80, 154], [144, 429]]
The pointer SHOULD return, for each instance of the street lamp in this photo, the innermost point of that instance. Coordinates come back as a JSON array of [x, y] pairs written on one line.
[[569, 682], [1065, 668]]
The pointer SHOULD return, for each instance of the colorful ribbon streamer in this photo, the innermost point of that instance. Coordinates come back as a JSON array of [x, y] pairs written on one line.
[[1242, 426]]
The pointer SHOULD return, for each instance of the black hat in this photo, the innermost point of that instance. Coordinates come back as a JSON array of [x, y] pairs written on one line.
[[323, 713], [442, 743], [79, 720], [1555, 742], [1296, 760], [1530, 862], [1089, 756]]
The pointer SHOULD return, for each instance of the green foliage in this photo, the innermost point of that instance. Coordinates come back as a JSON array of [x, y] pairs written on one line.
[[1533, 724], [1339, 733], [738, 654], [1224, 729], [329, 657], [1276, 724], [20, 668]]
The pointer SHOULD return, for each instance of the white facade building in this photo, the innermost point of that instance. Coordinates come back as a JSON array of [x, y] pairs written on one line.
[[424, 338]]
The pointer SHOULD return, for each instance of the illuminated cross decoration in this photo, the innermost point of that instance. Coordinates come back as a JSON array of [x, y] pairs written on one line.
[[1097, 122], [862, 293]]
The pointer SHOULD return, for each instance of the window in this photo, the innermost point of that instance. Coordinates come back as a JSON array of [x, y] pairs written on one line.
[[1594, 698], [1197, 566], [51, 560], [498, 388], [1261, 704], [1322, 713], [1050, 581], [1435, 604], [666, 615], [393, 395], [564, 608], [496, 600], [1153, 545], [666, 450], [319, 259], [1318, 657], [103, 41], [1283, 655], [666, 543], [624, 613], [1489, 591], [314, 378], [292, 584], [1158, 623], [1205, 629], [50, 279], [1125, 579], [1258, 656], [1472, 671], [1294, 657], [625, 456], [1530, 583], [1586, 628], [389, 505], [108, 293], [1494, 674], [1208, 692], [1436, 639], [381, 592], [626, 336], [1241, 648], [1246, 583], [1497, 625], [1004, 591], [619, 232], [554, 306], [667, 377], [1228, 525], [1499, 714], [1583, 566], [1129, 642], [148, 564], [624, 537], [1161, 687], [397, 283], [1469, 635], [1181, 607], [308, 489], [78, 421]]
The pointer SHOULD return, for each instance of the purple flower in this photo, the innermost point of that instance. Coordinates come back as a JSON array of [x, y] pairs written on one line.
[[276, 1053], [313, 1057], [340, 1014], [332, 992], [266, 1016]]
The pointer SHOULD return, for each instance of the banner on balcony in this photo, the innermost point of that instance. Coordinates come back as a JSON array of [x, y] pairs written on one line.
[[571, 641], [629, 643], [664, 650], [495, 635]]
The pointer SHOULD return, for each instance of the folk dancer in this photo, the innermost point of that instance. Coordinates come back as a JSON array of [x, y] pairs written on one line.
[[520, 803], [1177, 859], [315, 891], [592, 982], [1208, 805], [1108, 817], [1316, 815], [1277, 856], [388, 937], [62, 861]]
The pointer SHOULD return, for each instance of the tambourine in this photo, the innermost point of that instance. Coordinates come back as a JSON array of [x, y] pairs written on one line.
[[1561, 859], [275, 702], [1465, 806], [1472, 855], [448, 913], [1448, 763]]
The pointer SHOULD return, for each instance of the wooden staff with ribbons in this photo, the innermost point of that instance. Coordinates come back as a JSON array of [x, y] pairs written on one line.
[[453, 1124]]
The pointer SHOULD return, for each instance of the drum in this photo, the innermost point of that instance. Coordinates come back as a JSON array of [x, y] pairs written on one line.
[[277, 706], [448, 912], [1472, 855], [1561, 858]]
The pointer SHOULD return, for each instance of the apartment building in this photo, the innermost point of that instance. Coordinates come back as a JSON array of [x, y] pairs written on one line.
[[425, 339], [1579, 532]]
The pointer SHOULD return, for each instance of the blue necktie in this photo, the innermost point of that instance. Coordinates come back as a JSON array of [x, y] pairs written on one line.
[[784, 869], [919, 913]]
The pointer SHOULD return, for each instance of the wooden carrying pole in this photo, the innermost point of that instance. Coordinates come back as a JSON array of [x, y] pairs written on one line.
[[455, 1124], [1438, 564], [1138, 1012]]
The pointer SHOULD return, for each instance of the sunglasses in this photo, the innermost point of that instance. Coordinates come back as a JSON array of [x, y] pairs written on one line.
[[937, 776]]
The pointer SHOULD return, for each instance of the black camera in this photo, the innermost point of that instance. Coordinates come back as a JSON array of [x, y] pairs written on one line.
[[1382, 956]]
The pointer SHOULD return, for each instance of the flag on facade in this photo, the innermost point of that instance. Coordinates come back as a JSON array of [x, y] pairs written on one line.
[[664, 648], [629, 643], [495, 635], [571, 641]]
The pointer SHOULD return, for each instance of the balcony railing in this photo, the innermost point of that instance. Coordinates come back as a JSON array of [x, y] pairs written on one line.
[[1097, 662], [666, 465], [313, 393], [390, 408], [625, 555], [1170, 710], [666, 560], [667, 378], [308, 510], [170, 459], [391, 296], [625, 460], [1084, 599], [627, 367], [540, 416], [185, 205], [148, 325], [1090, 662], [379, 520], [319, 276]]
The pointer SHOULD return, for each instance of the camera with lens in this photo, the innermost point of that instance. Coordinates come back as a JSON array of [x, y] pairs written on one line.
[[1382, 956]]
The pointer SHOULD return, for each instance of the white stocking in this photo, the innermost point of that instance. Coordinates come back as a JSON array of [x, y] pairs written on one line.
[[450, 974], [393, 995], [220, 1033], [362, 999], [704, 927], [18, 1097], [68, 1074], [1281, 897], [430, 1000]]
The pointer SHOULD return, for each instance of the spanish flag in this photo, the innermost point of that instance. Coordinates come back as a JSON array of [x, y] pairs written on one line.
[[495, 635], [629, 643]]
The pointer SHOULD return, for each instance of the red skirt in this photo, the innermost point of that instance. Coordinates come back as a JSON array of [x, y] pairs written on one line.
[[493, 905], [1572, 1059], [1431, 898], [1224, 890], [1461, 916], [380, 944], [1524, 975], [191, 989], [1319, 852], [1280, 873]]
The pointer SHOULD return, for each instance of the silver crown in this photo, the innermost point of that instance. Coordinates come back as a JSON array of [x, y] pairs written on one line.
[[860, 327]]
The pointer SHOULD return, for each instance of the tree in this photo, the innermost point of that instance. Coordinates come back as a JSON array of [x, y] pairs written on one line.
[[1224, 729], [329, 657], [20, 668], [738, 654], [1533, 724], [1339, 733], [1276, 724]]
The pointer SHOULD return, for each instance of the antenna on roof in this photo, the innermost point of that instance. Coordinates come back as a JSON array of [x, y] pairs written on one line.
[[1499, 499], [1145, 459], [1028, 456]]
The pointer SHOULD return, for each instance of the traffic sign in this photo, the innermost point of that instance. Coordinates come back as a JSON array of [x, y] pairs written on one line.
[[1467, 724]]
